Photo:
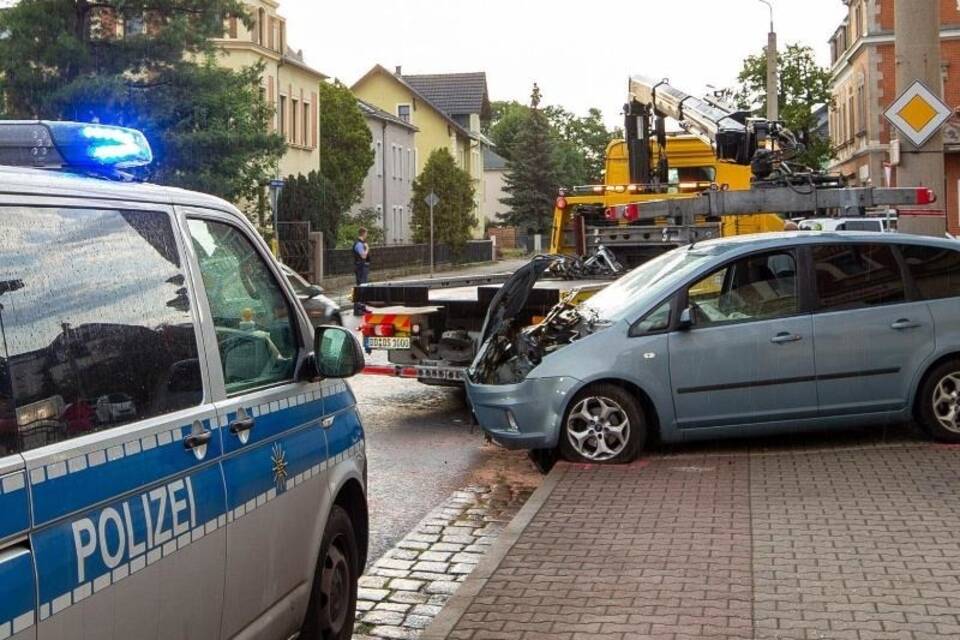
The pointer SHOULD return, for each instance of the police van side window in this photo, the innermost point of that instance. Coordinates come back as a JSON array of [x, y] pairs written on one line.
[[96, 323], [252, 317]]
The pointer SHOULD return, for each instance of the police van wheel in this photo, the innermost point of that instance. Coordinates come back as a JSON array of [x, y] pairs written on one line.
[[333, 602]]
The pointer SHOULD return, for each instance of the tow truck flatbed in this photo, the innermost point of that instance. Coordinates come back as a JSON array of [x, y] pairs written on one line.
[[429, 327]]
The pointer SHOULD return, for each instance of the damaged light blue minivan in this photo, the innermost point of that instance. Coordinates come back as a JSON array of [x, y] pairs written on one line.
[[749, 335]]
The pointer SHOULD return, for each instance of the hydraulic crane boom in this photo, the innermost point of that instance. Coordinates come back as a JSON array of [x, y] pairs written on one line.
[[737, 137]]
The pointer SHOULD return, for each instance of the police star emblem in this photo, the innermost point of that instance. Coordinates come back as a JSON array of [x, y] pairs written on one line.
[[279, 460]]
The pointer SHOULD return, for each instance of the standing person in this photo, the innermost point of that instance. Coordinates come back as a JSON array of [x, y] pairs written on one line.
[[361, 265]]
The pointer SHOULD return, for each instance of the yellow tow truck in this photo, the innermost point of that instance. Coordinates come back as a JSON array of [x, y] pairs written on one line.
[[587, 217]]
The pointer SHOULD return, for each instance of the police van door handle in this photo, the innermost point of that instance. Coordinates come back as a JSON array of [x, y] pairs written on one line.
[[241, 425], [195, 440]]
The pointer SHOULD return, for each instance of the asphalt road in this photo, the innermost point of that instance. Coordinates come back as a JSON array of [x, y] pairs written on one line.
[[421, 447], [421, 444]]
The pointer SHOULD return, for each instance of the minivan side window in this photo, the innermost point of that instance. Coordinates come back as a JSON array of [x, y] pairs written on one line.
[[96, 323], [935, 270], [854, 276], [255, 331], [757, 287]]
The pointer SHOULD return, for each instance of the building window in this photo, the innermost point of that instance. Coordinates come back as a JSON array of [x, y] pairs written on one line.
[[861, 110], [409, 164], [378, 158], [294, 112], [399, 228], [282, 114], [260, 26], [306, 125], [403, 112], [232, 27], [395, 168]]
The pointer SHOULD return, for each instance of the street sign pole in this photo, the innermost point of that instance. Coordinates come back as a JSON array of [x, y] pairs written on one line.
[[432, 200]]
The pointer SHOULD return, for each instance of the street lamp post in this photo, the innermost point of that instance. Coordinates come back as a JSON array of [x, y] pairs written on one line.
[[773, 100]]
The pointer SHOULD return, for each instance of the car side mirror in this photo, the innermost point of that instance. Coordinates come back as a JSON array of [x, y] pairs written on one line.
[[316, 290], [686, 319], [337, 353]]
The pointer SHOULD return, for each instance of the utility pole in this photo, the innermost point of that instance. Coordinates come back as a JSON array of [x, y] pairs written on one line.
[[917, 51], [773, 81]]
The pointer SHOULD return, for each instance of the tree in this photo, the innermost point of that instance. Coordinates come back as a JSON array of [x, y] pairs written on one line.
[[589, 135], [507, 120], [804, 87], [369, 219], [453, 217], [346, 154], [531, 176], [147, 64], [580, 143]]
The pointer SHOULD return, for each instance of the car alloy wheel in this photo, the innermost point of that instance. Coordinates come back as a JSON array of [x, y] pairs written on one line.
[[598, 428], [946, 402]]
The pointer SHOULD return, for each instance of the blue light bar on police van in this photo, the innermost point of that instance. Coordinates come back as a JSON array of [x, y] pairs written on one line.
[[72, 145]]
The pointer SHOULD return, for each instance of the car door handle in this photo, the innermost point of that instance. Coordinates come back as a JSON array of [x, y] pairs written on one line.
[[904, 323], [327, 422], [241, 425], [783, 338], [195, 440]]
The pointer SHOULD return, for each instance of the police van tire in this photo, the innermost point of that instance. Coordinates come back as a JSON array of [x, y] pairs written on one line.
[[333, 600], [604, 424]]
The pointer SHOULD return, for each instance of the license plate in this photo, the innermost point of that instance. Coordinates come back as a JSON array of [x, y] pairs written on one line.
[[387, 343]]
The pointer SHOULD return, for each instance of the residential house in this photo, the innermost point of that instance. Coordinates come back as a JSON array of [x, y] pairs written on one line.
[[389, 183], [863, 84], [288, 83], [445, 108], [494, 181]]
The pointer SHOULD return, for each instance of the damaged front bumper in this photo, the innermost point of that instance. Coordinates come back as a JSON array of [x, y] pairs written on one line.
[[525, 415]]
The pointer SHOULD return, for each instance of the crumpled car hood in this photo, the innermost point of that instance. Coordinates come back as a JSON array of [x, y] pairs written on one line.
[[508, 352]]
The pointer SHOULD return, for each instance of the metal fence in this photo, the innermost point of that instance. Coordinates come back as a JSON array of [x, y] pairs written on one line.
[[340, 261], [295, 247]]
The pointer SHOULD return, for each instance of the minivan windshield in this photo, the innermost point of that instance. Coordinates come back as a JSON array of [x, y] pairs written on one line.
[[649, 280]]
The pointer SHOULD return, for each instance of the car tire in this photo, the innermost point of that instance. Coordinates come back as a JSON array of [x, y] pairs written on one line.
[[939, 399], [603, 424], [333, 600]]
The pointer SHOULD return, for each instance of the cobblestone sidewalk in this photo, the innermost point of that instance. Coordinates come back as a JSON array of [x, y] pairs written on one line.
[[859, 542], [405, 589]]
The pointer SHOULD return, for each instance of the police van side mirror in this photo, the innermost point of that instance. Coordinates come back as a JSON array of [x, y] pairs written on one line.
[[337, 353]]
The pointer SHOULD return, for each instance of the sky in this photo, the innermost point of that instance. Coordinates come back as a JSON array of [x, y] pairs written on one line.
[[579, 52]]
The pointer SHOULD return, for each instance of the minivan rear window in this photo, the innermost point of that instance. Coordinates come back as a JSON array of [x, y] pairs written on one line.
[[851, 276], [96, 323], [935, 270]]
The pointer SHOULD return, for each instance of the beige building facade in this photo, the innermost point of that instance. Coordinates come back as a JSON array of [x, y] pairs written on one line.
[[288, 83], [446, 109]]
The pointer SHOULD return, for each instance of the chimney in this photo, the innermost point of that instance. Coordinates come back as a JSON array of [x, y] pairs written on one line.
[[399, 70]]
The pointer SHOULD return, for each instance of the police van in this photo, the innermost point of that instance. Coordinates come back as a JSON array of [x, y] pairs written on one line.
[[179, 454]]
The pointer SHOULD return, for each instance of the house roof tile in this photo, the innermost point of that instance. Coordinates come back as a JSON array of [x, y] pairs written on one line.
[[455, 93]]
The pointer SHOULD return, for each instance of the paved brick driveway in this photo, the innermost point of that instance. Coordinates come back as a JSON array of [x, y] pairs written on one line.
[[853, 540]]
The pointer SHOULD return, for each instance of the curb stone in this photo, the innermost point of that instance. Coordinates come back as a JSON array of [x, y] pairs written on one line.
[[408, 586], [458, 603]]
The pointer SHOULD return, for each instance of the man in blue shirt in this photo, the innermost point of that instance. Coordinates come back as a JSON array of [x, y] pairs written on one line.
[[361, 265]]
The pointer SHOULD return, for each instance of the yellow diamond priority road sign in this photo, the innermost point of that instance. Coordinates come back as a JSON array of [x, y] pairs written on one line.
[[918, 113]]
